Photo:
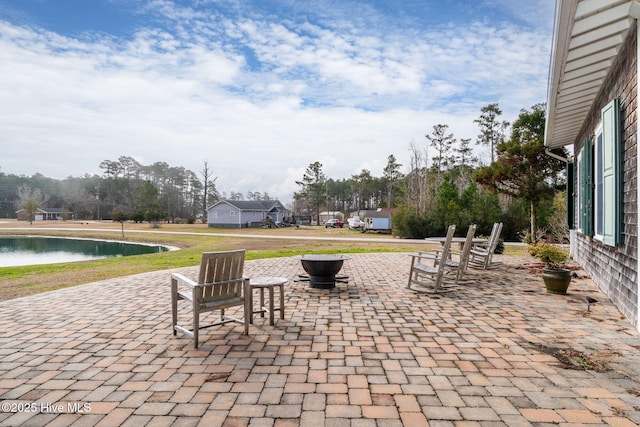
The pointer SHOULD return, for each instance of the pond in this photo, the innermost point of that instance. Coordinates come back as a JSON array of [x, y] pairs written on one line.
[[15, 251]]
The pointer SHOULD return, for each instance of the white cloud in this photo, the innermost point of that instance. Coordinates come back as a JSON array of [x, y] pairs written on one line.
[[259, 99]]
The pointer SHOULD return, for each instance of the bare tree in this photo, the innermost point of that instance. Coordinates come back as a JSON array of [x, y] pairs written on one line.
[[29, 199], [417, 179], [209, 188]]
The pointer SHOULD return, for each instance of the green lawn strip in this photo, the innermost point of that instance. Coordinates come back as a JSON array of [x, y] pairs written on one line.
[[29, 280]]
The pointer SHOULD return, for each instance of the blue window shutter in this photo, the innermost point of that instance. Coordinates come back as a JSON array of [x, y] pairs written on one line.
[[611, 173], [586, 188]]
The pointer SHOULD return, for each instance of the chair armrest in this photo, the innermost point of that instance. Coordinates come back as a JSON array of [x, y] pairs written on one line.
[[451, 251], [481, 245], [424, 255], [479, 251], [181, 278]]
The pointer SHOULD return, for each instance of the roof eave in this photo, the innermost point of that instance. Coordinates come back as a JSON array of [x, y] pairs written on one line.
[[565, 11], [587, 38]]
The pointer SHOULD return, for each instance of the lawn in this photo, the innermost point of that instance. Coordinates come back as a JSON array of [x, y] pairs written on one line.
[[191, 239]]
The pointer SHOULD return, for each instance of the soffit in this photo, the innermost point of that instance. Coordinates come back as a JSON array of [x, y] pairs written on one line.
[[588, 35]]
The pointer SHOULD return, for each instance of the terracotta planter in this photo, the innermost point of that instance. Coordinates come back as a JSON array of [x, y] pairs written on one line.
[[556, 280]]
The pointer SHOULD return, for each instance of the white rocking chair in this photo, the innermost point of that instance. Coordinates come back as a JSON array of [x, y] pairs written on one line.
[[459, 265], [429, 277], [481, 256]]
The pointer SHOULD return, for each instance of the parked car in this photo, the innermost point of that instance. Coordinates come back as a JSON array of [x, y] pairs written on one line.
[[355, 223], [333, 223]]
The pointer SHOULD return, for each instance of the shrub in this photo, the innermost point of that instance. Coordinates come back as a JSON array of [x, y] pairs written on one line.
[[408, 224], [551, 255]]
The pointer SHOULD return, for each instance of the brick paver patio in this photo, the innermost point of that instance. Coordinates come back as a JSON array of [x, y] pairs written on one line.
[[367, 353]]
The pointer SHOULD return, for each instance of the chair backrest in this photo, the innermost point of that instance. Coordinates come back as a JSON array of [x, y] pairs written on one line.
[[445, 249], [221, 274], [468, 244], [495, 236]]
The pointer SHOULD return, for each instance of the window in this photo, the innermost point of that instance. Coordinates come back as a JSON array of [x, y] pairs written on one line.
[[598, 170], [579, 190], [598, 187], [586, 188]]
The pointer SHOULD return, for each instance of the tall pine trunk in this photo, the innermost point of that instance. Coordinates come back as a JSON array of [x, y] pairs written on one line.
[[533, 223]]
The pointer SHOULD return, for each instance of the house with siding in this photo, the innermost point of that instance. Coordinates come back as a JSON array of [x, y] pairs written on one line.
[[245, 213], [592, 107], [45, 214]]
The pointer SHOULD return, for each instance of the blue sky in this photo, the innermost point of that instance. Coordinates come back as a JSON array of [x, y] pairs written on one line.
[[258, 88]]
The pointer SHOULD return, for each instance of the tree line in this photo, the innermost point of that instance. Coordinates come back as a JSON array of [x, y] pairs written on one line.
[[445, 184], [126, 188], [521, 187]]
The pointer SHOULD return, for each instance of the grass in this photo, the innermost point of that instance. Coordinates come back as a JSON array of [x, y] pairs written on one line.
[[191, 239], [28, 280]]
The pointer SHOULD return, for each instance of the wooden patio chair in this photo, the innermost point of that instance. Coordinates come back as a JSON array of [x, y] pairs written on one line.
[[481, 255], [425, 276], [459, 260], [220, 285]]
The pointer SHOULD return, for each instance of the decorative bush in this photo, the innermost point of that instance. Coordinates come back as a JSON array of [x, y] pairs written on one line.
[[551, 255]]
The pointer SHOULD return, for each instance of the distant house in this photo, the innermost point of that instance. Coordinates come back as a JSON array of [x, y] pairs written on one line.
[[245, 213], [592, 106], [45, 214]]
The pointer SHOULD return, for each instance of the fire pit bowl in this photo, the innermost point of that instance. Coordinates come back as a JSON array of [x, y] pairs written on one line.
[[322, 269]]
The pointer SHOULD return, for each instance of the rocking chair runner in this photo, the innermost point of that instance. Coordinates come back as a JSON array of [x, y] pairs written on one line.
[[220, 286], [430, 278]]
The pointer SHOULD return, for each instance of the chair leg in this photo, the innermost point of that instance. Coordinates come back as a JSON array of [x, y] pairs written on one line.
[[271, 319], [261, 302], [174, 305], [196, 315], [249, 300], [411, 272], [281, 301], [248, 305]]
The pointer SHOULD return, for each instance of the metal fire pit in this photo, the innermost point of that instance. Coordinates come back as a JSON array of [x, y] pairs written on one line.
[[322, 270]]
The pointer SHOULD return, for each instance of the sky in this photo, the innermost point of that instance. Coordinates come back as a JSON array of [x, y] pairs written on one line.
[[259, 89]]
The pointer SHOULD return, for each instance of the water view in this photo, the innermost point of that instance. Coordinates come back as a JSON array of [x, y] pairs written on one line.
[[15, 251]]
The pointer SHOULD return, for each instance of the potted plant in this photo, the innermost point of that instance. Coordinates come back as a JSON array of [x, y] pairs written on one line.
[[555, 275]]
